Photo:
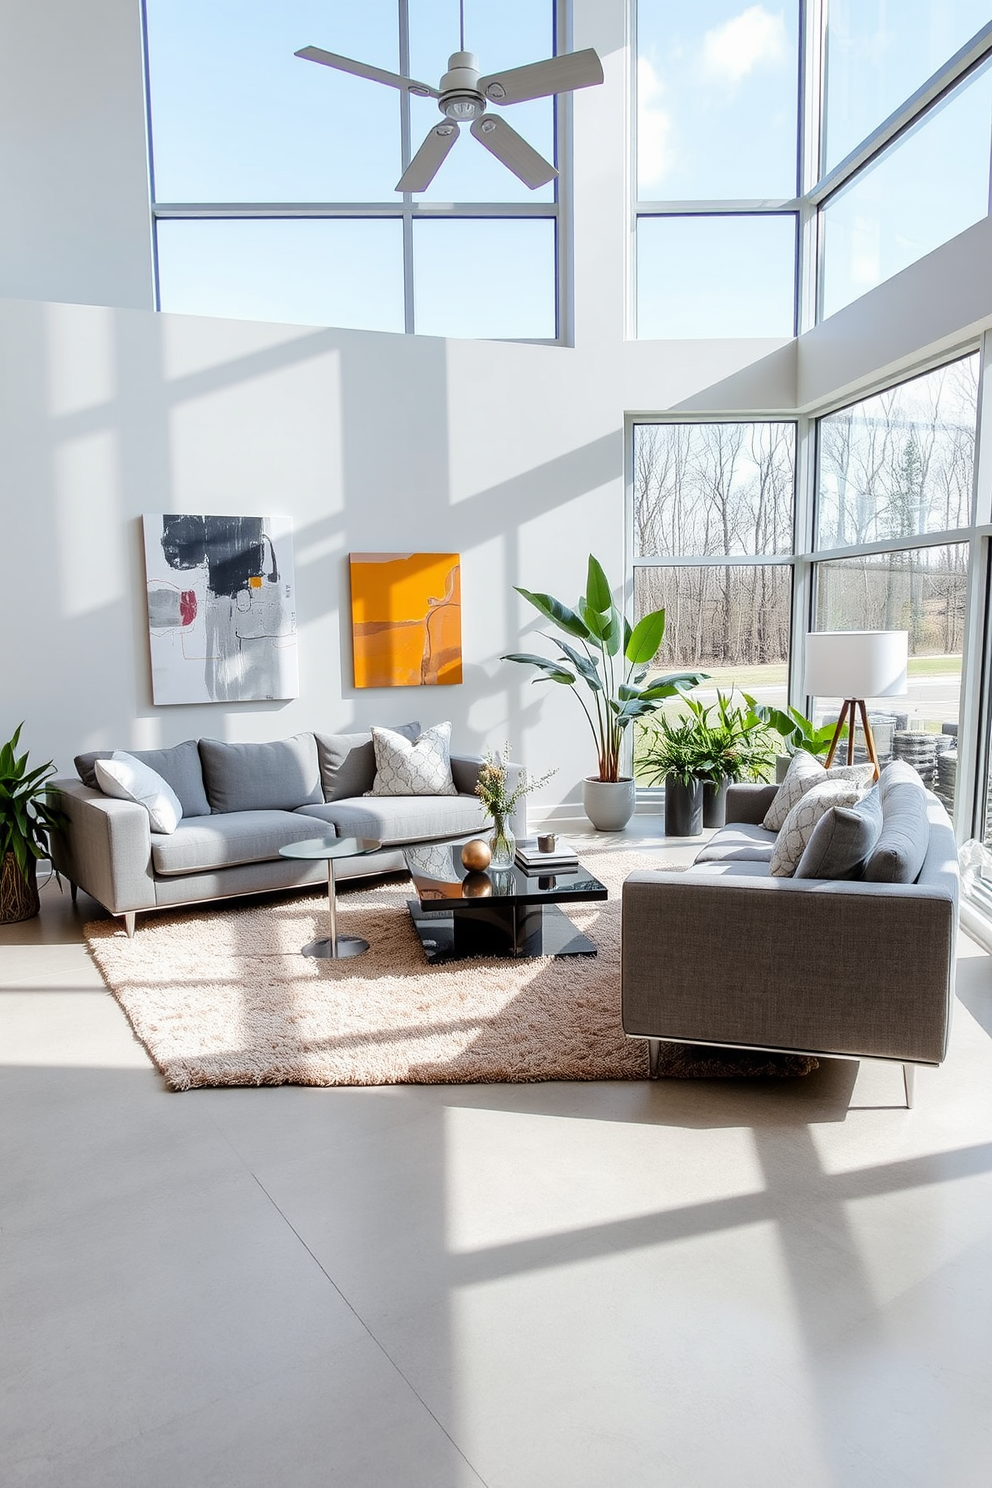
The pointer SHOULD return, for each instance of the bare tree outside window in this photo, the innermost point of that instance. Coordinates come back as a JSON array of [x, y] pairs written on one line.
[[711, 491], [900, 464]]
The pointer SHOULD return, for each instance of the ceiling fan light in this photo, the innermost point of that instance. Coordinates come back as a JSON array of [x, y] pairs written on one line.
[[463, 106]]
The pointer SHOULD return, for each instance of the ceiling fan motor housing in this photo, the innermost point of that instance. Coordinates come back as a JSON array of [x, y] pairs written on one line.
[[459, 88]]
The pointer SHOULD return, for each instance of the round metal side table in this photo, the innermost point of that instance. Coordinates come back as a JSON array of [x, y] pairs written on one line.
[[335, 946]]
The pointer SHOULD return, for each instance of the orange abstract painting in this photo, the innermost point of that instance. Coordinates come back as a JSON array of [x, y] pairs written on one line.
[[406, 617]]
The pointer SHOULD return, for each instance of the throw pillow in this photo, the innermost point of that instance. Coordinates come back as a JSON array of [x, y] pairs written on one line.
[[128, 779], [276, 776], [803, 773], [407, 767], [179, 766], [797, 828], [347, 761], [897, 856], [842, 840]]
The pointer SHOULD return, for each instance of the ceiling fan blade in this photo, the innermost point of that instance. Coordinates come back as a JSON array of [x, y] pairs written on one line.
[[365, 70], [557, 75], [513, 150], [428, 160]]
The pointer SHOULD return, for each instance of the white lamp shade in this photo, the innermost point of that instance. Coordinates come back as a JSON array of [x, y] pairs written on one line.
[[857, 663]]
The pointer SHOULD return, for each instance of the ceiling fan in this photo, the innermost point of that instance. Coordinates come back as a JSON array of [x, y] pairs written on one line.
[[464, 96]]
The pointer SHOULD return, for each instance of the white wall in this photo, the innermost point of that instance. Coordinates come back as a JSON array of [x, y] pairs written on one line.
[[511, 455], [75, 223]]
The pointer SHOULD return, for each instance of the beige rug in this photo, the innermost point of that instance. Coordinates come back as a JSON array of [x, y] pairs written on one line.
[[223, 997]]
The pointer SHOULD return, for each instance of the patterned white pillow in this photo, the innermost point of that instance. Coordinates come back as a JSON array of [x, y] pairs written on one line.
[[798, 826], [421, 767], [130, 779], [804, 772]]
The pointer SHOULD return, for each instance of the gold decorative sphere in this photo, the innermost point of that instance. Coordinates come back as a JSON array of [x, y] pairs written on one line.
[[476, 886], [476, 855]]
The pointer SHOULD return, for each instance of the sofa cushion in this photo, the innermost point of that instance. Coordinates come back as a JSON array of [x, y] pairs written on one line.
[[738, 842], [797, 829], [898, 855], [178, 766], [130, 779], [803, 773], [347, 761], [225, 839], [277, 776], [418, 767], [842, 839], [392, 819]]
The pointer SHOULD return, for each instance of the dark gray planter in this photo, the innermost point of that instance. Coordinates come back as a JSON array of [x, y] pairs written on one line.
[[683, 808], [715, 803]]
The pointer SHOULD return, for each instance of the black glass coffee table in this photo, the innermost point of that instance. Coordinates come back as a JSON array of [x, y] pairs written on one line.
[[502, 912]]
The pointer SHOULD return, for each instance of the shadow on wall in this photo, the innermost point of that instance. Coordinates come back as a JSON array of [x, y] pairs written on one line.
[[111, 414]]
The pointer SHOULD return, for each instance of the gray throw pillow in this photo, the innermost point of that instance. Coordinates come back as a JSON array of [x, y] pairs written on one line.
[[179, 767], [792, 841], [897, 856], [347, 761], [277, 776], [842, 840]]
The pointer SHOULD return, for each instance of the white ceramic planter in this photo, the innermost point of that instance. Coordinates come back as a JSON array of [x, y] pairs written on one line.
[[609, 804]]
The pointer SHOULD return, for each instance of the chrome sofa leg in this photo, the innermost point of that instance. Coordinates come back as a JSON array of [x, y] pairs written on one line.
[[130, 916], [654, 1058], [909, 1084]]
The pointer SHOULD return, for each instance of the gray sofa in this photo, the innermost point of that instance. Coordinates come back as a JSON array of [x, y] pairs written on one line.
[[724, 954], [241, 804]]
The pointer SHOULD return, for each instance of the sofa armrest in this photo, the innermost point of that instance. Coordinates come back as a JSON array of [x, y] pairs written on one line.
[[845, 968], [748, 802], [105, 847], [465, 774]]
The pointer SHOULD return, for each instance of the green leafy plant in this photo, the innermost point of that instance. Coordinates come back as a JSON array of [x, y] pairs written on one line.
[[611, 663], [674, 748], [794, 728], [26, 818], [739, 742]]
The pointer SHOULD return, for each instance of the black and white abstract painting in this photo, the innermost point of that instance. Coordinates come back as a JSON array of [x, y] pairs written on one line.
[[221, 608]]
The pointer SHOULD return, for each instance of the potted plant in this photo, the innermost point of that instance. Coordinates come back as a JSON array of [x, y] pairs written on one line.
[[609, 673], [675, 751], [795, 730], [740, 749], [500, 801], [26, 819]]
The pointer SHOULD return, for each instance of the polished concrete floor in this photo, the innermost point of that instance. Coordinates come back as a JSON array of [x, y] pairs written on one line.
[[548, 1286]]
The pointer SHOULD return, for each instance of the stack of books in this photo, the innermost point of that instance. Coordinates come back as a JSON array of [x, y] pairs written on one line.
[[530, 858]]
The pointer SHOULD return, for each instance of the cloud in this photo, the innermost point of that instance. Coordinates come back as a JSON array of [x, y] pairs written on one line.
[[654, 128], [754, 38]]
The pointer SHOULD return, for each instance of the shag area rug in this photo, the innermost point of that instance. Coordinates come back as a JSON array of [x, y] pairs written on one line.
[[224, 997]]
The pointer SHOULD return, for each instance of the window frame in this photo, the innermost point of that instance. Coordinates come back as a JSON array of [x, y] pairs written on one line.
[[403, 208]]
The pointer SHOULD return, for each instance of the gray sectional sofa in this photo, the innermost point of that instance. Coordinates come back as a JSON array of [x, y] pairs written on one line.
[[724, 954], [241, 804]]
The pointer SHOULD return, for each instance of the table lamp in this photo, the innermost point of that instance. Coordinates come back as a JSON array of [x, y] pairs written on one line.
[[854, 665]]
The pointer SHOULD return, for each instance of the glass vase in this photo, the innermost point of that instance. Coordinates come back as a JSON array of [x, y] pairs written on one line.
[[501, 844]]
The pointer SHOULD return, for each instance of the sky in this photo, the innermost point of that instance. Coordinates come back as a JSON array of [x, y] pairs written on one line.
[[237, 118]]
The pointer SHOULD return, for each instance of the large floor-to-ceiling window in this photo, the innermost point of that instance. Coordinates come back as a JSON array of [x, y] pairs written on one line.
[[274, 177], [858, 131], [718, 523]]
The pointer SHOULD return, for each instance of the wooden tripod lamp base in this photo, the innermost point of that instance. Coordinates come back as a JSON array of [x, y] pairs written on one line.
[[847, 715], [854, 665]]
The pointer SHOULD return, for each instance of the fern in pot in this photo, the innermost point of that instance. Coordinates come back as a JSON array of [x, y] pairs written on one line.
[[608, 672], [676, 753], [26, 818]]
